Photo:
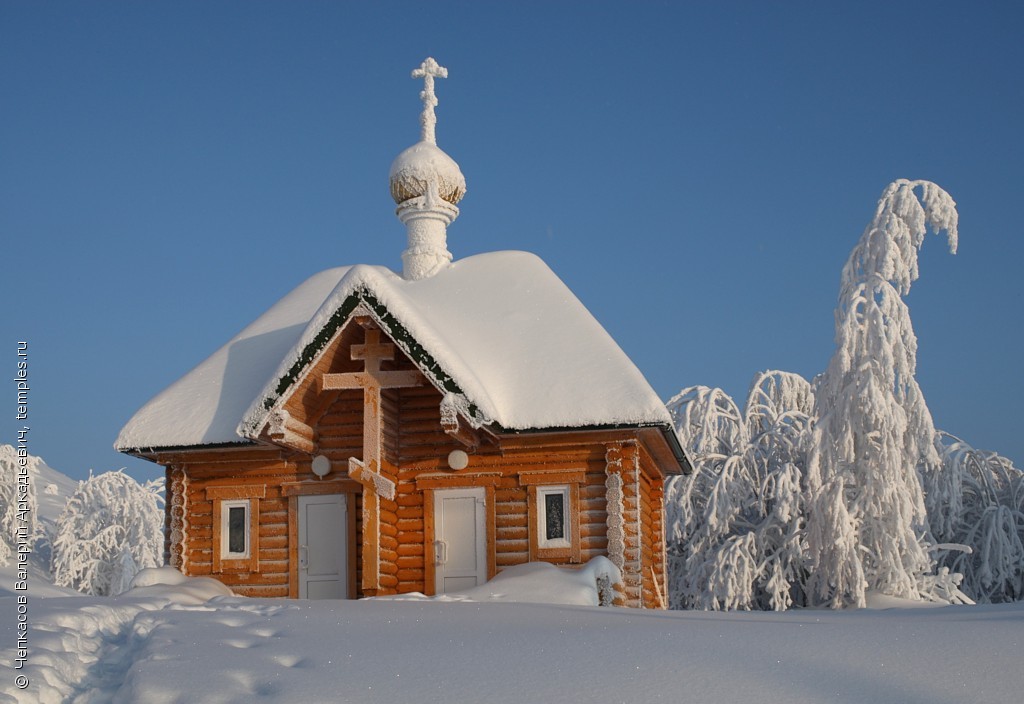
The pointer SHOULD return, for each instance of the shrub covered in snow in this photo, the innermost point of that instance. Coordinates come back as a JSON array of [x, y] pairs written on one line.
[[111, 528]]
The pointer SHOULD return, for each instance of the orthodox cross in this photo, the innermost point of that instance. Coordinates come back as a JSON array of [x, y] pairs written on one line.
[[429, 70], [372, 381]]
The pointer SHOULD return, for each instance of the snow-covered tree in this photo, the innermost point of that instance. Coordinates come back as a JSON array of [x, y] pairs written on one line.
[[11, 521], [736, 522], [711, 428], [821, 494], [867, 524], [976, 511], [111, 528]]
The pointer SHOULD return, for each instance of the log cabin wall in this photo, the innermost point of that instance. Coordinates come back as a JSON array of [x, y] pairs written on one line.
[[616, 493], [507, 473], [196, 479], [406, 535], [652, 516], [275, 477]]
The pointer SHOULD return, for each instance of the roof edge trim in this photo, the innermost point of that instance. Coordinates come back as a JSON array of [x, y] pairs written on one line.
[[669, 433]]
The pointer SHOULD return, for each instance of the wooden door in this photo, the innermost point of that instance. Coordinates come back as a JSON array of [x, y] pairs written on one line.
[[460, 539], [323, 547]]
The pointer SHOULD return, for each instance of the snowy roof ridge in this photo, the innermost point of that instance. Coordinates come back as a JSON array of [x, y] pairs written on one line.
[[500, 330]]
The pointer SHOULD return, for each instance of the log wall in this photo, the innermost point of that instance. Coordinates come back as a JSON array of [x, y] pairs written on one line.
[[415, 447]]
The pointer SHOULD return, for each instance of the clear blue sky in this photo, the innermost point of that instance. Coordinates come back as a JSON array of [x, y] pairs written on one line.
[[696, 172]]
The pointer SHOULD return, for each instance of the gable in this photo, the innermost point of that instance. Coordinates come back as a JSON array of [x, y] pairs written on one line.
[[321, 399]]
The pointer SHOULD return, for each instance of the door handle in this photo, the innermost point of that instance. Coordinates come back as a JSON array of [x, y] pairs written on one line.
[[440, 552], [303, 557]]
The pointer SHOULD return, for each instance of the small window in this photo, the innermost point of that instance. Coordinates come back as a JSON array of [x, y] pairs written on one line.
[[234, 531], [553, 517]]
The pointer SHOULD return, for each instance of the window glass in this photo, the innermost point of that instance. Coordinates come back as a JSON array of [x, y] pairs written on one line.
[[554, 516], [236, 529]]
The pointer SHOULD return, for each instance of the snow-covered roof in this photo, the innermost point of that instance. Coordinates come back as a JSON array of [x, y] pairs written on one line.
[[499, 332]]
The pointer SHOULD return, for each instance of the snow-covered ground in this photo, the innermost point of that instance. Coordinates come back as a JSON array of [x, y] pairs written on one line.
[[170, 646], [174, 640], [177, 640]]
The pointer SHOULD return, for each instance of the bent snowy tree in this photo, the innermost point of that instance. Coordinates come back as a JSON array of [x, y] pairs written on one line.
[[867, 524]]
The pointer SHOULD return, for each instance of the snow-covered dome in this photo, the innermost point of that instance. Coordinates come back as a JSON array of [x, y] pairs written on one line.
[[421, 165], [427, 185]]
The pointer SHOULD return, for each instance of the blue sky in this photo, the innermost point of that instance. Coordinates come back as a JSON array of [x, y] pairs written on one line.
[[696, 172]]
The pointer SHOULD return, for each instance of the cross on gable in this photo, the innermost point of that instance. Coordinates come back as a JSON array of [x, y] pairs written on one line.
[[372, 352], [372, 380]]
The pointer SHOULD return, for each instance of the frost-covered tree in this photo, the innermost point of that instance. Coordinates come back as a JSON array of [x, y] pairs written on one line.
[[736, 522], [821, 494], [867, 524], [11, 519], [976, 511], [711, 428], [111, 528]]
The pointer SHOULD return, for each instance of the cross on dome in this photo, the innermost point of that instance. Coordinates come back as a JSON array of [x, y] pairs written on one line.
[[427, 185], [428, 71]]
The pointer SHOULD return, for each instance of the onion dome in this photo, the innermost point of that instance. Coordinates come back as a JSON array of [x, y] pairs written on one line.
[[422, 166], [427, 185]]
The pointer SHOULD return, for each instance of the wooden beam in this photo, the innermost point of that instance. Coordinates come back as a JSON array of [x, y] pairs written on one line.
[[452, 424], [380, 379], [285, 430]]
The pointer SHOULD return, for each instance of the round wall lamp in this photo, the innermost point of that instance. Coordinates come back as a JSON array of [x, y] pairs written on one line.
[[321, 466], [457, 459]]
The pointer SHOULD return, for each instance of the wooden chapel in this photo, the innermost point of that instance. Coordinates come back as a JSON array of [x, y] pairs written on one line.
[[375, 433]]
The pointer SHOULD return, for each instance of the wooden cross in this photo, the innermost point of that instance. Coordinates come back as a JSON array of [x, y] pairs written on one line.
[[429, 70], [372, 380]]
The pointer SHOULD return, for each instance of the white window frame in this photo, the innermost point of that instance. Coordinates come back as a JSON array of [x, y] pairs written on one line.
[[565, 541], [225, 529]]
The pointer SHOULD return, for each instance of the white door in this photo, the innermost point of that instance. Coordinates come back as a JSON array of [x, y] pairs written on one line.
[[460, 539], [323, 547]]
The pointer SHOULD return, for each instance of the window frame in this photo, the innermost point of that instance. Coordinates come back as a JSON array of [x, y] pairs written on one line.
[[225, 529], [540, 483], [223, 499], [544, 542]]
